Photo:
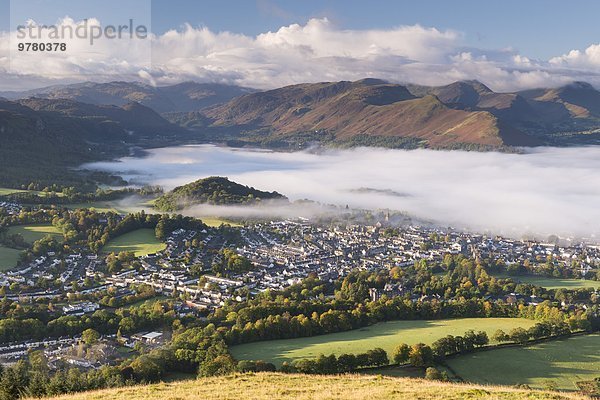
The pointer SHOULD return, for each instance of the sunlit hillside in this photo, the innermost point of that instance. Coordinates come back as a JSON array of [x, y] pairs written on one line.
[[275, 386]]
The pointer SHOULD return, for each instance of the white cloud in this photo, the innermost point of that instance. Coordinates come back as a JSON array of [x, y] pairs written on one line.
[[315, 51], [589, 58]]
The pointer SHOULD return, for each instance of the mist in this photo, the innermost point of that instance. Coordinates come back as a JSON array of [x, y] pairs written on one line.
[[540, 192]]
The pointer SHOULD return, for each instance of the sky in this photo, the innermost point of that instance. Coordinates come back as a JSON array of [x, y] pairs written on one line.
[[506, 44]]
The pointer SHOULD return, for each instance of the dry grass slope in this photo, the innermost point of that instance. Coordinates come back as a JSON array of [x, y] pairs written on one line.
[[274, 386]]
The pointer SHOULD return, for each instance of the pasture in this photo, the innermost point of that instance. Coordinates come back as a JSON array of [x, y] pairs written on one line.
[[386, 335], [141, 242], [553, 283], [8, 258], [559, 363], [31, 233]]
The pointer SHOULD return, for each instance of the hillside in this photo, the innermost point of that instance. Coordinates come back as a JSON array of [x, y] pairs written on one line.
[[128, 119], [65, 126], [182, 97], [38, 147], [41, 139], [580, 99], [280, 386], [368, 107], [212, 190], [465, 113], [347, 109]]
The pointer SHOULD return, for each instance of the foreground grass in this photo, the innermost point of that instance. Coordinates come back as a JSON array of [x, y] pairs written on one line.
[[276, 386], [553, 283], [8, 258], [560, 363], [31, 233], [386, 335], [141, 242]]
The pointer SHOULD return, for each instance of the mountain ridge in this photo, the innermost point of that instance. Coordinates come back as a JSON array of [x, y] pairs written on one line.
[[184, 96], [464, 112]]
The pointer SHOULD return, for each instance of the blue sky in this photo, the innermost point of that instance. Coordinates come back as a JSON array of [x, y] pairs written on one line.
[[508, 44], [539, 28]]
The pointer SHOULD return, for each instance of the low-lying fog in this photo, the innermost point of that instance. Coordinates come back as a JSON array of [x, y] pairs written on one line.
[[544, 191]]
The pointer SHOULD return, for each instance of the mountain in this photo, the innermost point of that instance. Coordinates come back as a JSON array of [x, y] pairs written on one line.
[[579, 98], [183, 97], [41, 139], [36, 147], [277, 386], [374, 112], [121, 121], [369, 107], [212, 190]]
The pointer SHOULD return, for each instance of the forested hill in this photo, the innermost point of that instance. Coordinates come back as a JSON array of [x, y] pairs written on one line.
[[41, 140], [214, 190]]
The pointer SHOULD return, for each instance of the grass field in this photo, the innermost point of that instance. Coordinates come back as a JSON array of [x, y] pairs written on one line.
[[554, 283], [8, 258], [562, 362], [8, 191], [129, 205], [386, 335], [147, 301], [31, 233], [216, 221], [141, 242], [274, 386]]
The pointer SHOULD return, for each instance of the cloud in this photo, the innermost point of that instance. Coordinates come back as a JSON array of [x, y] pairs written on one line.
[[589, 58], [315, 51], [544, 191]]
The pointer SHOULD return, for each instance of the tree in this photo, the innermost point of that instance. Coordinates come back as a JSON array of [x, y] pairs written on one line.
[[433, 374], [90, 336], [255, 366], [401, 353], [519, 335], [377, 357], [146, 369], [220, 365], [346, 362], [444, 346], [500, 336], [421, 355]]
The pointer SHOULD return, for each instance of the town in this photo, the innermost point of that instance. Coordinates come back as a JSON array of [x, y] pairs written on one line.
[[202, 270]]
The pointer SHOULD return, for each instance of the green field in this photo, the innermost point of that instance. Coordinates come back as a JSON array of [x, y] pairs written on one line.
[[131, 205], [216, 222], [386, 335], [9, 191], [8, 258], [141, 242], [562, 362], [553, 283], [31, 233]]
